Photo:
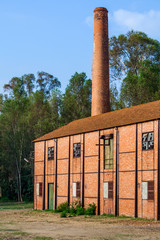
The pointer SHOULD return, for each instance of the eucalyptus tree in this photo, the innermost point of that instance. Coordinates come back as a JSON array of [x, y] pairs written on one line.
[[135, 59], [76, 102]]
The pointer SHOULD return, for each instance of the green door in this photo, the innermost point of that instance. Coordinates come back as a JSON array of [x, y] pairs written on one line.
[[50, 195]]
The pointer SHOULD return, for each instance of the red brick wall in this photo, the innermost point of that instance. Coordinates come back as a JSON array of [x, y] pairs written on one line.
[[38, 172], [147, 165]]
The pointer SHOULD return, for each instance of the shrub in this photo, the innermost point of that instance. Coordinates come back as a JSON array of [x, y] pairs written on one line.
[[91, 210], [63, 214], [80, 211], [63, 207], [4, 199], [75, 209], [72, 211], [76, 205]]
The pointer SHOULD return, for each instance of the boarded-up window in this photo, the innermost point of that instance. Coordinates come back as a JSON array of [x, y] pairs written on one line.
[[148, 190], [77, 189], [39, 189], [108, 189], [76, 150], [50, 153], [108, 153], [151, 190]]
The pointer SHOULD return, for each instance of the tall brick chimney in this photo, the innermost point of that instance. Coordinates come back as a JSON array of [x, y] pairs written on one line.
[[100, 69]]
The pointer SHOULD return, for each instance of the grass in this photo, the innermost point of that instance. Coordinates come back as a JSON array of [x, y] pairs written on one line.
[[8, 230], [11, 205], [20, 233]]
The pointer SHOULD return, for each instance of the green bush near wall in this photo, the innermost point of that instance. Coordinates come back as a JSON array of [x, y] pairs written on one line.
[[75, 209]]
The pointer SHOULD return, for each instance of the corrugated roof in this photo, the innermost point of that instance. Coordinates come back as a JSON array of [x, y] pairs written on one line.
[[126, 116]]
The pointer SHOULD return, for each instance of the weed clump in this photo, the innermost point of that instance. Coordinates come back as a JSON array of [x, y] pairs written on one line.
[[63, 207], [75, 209], [91, 210], [63, 214]]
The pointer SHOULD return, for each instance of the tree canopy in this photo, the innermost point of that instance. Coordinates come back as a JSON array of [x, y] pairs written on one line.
[[76, 101], [33, 107], [135, 59]]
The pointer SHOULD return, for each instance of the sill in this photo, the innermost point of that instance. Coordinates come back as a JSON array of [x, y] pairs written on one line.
[[108, 169], [150, 200], [145, 150]]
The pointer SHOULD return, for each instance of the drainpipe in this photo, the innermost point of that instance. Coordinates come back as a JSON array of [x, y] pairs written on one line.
[[44, 181], [158, 178], [98, 205], [69, 173], [136, 177], [83, 170], [56, 174], [117, 175]]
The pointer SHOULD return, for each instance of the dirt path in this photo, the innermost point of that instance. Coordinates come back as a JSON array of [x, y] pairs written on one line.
[[30, 224]]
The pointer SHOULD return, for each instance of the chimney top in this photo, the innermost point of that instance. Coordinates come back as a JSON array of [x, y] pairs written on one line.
[[100, 9], [100, 66]]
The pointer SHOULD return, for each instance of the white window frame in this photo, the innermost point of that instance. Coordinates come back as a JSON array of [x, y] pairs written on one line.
[[105, 189], [74, 189], [144, 190], [37, 189]]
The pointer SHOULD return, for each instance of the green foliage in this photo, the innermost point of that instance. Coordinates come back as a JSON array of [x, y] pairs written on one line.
[[80, 211], [47, 82], [91, 210], [75, 209], [63, 214], [142, 88], [25, 115], [76, 102], [63, 207], [20, 233], [135, 59]]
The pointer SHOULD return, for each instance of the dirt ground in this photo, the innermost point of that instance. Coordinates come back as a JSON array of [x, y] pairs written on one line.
[[31, 224]]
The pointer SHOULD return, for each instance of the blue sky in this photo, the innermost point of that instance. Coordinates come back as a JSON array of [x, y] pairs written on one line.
[[56, 36]]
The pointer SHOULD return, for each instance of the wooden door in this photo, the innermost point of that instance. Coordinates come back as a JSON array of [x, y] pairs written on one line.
[[51, 196]]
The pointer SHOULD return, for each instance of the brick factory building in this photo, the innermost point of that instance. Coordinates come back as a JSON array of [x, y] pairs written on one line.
[[110, 158]]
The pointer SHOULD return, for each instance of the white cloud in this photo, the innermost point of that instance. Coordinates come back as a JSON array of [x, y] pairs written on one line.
[[148, 22], [89, 21]]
